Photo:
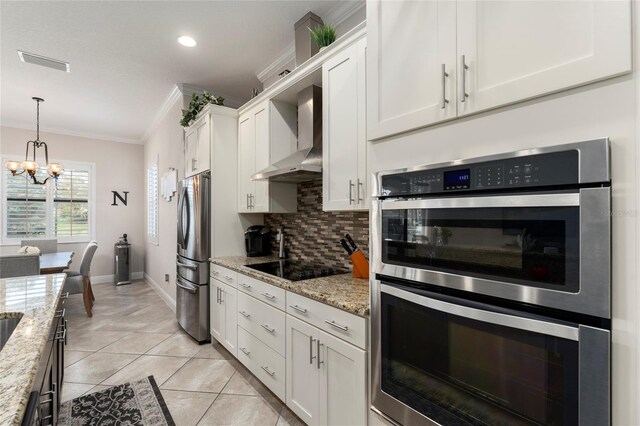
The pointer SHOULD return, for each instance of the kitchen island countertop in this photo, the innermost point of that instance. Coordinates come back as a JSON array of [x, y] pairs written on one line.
[[341, 291], [34, 299]]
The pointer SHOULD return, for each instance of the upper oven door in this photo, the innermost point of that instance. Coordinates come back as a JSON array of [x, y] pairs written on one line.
[[550, 249]]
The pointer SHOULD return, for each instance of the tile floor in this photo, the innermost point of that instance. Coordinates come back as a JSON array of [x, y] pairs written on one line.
[[133, 334]]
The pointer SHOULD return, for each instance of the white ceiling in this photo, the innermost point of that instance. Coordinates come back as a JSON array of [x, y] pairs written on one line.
[[125, 59]]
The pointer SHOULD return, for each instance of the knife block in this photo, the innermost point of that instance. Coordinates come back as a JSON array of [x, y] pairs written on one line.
[[360, 265]]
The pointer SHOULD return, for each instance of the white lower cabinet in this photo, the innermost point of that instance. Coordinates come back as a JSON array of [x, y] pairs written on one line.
[[223, 302], [265, 363], [326, 377]]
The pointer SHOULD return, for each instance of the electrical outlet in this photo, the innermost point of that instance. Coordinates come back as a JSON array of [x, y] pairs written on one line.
[[166, 277]]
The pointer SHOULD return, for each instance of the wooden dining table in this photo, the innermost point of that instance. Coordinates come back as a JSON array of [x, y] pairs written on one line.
[[54, 263]]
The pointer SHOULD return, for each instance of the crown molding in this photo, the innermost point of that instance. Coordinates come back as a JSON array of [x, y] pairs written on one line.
[[334, 17], [174, 95], [73, 133], [342, 11], [283, 58], [189, 90]]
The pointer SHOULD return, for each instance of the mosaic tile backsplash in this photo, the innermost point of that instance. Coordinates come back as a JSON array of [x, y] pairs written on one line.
[[314, 235]]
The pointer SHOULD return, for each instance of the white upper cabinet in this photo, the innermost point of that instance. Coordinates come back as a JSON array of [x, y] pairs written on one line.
[[515, 50], [430, 61], [260, 143], [344, 171], [411, 62], [197, 146]]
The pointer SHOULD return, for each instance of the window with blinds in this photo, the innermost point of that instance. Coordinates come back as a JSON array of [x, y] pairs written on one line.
[[152, 203], [59, 209]]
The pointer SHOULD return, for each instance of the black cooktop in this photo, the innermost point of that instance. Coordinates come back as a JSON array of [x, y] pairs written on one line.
[[294, 270]]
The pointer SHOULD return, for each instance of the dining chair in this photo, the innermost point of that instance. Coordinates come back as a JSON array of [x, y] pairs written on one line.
[[46, 245], [19, 265], [80, 281]]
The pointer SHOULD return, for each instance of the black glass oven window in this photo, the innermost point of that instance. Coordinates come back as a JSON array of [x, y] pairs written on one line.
[[532, 246], [459, 371]]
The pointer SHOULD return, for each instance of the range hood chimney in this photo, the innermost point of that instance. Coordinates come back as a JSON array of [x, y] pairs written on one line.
[[306, 163]]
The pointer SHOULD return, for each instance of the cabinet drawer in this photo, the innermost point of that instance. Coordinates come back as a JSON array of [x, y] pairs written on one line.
[[263, 362], [225, 275], [270, 294], [339, 323], [263, 321]]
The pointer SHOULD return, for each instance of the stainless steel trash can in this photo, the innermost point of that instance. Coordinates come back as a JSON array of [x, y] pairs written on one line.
[[122, 271]]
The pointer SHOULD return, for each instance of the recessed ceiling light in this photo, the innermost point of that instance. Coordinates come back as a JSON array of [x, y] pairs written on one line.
[[32, 58], [187, 41]]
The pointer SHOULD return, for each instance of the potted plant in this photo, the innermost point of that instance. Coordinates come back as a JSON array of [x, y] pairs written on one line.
[[323, 35], [195, 106]]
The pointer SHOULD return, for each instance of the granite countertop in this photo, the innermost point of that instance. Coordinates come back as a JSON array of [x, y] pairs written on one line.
[[340, 291], [34, 299]]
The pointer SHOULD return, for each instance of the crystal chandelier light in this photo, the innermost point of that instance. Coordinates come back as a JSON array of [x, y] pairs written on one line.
[[31, 166]]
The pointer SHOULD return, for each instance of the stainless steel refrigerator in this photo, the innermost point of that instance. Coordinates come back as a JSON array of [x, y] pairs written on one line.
[[192, 263]]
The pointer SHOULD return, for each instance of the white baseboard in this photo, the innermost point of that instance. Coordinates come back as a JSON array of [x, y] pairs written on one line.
[[108, 279], [163, 294]]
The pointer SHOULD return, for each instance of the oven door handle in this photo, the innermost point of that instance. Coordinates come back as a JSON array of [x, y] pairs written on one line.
[[520, 323], [566, 199]]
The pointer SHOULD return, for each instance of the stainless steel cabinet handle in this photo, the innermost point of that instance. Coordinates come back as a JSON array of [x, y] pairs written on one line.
[[269, 329], [269, 372], [350, 191], [245, 285], [51, 392], [216, 273], [65, 296], [445, 74], [251, 201], [194, 161], [221, 295], [247, 201], [244, 314], [298, 308], [311, 357], [228, 278], [61, 335], [244, 351], [336, 325], [60, 313], [360, 200], [465, 67], [318, 362], [268, 296], [184, 265]]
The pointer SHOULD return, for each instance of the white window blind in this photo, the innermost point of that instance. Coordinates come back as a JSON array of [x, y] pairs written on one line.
[[61, 210], [152, 203]]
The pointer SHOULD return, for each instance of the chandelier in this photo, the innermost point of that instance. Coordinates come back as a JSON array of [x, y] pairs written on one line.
[[31, 166]]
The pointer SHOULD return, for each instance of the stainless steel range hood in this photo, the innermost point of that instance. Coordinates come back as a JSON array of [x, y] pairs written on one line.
[[306, 163]]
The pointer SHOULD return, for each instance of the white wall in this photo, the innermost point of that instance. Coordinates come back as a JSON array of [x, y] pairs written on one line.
[[117, 168], [345, 26], [604, 109], [166, 143]]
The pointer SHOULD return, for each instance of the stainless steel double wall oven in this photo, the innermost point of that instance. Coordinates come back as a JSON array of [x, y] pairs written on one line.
[[491, 302]]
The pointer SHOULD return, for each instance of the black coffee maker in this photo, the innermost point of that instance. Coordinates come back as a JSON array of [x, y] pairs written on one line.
[[257, 241]]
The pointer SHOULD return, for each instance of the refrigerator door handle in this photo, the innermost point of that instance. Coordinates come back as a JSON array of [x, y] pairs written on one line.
[[188, 215], [180, 215]]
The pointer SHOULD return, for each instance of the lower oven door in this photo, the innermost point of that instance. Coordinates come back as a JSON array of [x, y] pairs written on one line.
[[443, 360]]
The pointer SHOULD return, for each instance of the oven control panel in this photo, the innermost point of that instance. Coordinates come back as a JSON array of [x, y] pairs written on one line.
[[551, 169]]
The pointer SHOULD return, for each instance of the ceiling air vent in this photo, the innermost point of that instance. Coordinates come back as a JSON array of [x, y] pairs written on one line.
[[32, 58]]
